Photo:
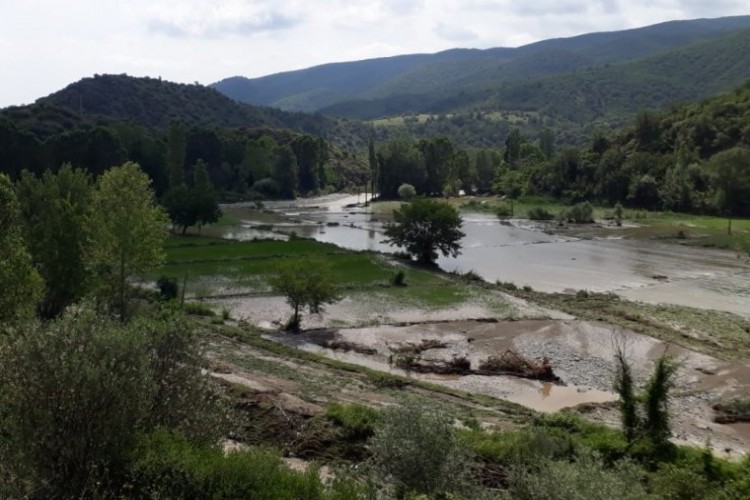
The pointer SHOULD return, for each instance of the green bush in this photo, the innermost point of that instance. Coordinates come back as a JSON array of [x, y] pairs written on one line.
[[587, 476], [167, 287], [525, 446], [417, 452], [166, 465], [503, 211], [406, 192], [74, 392], [540, 213], [198, 309], [581, 213], [399, 279], [386, 380], [357, 420]]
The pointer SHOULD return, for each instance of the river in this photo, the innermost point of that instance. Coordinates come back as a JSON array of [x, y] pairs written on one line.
[[515, 251]]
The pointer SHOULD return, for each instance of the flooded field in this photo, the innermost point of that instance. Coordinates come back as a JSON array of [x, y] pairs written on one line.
[[529, 254]]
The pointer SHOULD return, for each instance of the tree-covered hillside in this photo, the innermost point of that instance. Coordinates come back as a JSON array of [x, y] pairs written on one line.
[[434, 77], [106, 120]]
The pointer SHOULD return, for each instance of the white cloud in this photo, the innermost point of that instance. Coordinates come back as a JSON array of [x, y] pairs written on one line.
[[47, 44]]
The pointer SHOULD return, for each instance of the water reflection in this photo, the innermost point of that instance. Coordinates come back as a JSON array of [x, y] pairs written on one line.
[[547, 262]]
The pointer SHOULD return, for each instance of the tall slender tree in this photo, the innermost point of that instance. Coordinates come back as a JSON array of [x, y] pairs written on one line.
[[128, 234]]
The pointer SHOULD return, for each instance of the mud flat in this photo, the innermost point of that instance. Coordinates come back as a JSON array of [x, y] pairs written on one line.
[[580, 354]]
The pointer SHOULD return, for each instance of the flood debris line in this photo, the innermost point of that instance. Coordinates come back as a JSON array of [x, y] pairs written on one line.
[[458, 365], [511, 363], [412, 348], [732, 412], [343, 345]]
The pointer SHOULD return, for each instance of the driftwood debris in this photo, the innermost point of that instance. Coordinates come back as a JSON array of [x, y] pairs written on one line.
[[511, 363]]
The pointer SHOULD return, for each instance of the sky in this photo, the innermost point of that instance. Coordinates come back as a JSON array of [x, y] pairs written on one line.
[[48, 44]]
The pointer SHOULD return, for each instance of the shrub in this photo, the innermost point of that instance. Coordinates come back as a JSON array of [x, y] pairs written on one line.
[[399, 279], [75, 392], [416, 451], [386, 380], [503, 211], [540, 213], [581, 213], [585, 477], [167, 287], [166, 465], [357, 420], [198, 309], [406, 192]]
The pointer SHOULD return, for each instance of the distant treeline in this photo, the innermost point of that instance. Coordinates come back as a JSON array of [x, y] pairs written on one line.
[[693, 158], [259, 162]]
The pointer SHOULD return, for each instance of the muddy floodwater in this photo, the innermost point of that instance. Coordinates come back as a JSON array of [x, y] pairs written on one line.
[[526, 254]]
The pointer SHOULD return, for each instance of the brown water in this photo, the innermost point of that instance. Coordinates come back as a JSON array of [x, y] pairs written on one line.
[[496, 251]]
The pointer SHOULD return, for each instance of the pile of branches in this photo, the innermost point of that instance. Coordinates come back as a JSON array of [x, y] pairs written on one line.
[[511, 363]]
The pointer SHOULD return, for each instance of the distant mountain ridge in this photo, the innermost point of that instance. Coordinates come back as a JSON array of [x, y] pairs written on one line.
[[428, 76]]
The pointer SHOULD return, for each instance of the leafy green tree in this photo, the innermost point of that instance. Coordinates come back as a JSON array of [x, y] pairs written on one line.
[[78, 391], [547, 143], [304, 283], [511, 184], [55, 210], [513, 147], [20, 282], [372, 160], [204, 196], [128, 230], [176, 147], [656, 401], [406, 192], [400, 162], [181, 208], [285, 172], [425, 227], [438, 158], [731, 180], [485, 170]]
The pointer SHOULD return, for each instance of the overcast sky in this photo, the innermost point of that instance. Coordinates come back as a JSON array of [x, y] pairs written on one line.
[[47, 44]]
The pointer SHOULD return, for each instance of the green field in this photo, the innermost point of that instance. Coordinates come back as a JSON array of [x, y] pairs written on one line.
[[219, 268]]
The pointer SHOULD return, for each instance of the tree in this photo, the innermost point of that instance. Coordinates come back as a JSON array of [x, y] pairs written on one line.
[[731, 180], [513, 147], [176, 147], [406, 191], [55, 210], [285, 172], [424, 227], [20, 284], [77, 392], [128, 233], [204, 196], [511, 185], [305, 283]]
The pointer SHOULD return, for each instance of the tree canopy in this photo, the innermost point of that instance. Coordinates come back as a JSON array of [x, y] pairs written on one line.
[[425, 227], [128, 232]]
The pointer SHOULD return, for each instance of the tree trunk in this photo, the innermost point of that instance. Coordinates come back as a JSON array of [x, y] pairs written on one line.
[[122, 286], [184, 230], [511, 207]]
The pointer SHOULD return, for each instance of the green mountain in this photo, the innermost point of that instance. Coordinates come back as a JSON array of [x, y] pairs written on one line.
[[454, 80], [107, 119]]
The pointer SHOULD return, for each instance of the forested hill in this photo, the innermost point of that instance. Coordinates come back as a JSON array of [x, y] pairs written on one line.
[[109, 119], [430, 78], [154, 103]]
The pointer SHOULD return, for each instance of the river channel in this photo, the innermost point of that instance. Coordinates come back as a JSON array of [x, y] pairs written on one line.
[[526, 254]]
